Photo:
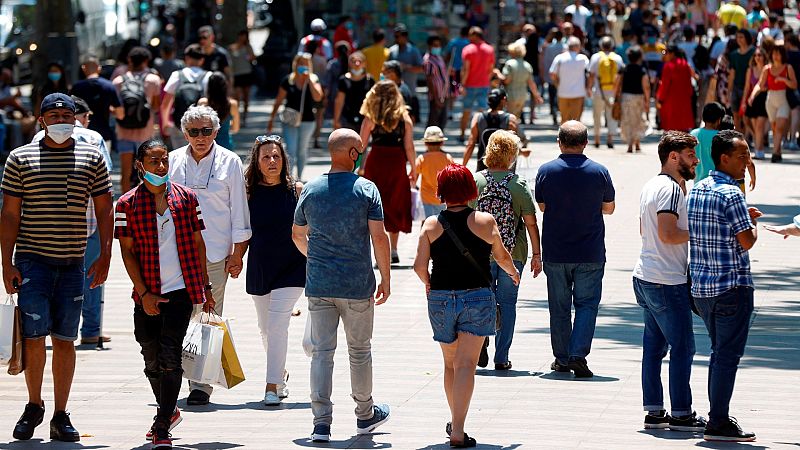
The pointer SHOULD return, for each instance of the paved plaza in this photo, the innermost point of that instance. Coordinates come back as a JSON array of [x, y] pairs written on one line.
[[526, 407]]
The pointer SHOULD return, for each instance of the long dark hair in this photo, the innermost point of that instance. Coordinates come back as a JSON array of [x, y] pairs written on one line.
[[217, 95], [252, 173]]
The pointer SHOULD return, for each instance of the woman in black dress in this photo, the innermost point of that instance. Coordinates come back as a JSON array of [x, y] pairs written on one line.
[[276, 270]]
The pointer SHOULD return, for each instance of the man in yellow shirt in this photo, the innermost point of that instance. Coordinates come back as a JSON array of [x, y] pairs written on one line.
[[732, 13], [376, 54]]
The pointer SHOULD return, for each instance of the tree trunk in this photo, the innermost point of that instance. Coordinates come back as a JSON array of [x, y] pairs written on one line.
[[55, 34], [234, 20]]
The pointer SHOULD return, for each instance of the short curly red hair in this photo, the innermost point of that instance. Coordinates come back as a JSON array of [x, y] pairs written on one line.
[[456, 185]]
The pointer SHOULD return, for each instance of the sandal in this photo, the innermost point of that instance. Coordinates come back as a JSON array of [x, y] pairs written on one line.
[[468, 442], [448, 428]]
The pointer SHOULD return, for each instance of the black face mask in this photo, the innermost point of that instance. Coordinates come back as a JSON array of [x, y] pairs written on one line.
[[357, 161]]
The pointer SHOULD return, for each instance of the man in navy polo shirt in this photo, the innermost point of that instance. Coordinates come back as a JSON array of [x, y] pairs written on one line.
[[573, 192]]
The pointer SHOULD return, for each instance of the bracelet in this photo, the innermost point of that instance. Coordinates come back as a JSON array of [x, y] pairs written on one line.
[[143, 295]]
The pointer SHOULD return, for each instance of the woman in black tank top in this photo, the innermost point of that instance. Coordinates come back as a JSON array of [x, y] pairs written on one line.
[[461, 307]]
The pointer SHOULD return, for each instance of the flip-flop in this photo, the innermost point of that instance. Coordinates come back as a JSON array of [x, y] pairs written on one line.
[[467, 443]]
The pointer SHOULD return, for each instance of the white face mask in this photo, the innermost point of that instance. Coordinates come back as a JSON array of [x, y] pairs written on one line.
[[60, 132]]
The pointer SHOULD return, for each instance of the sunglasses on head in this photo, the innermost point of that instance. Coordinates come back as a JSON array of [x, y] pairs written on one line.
[[271, 139], [194, 132]]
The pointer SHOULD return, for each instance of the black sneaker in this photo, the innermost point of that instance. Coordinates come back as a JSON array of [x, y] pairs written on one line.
[[161, 437], [558, 367], [380, 415], [727, 431], [61, 428], [691, 422], [30, 419], [580, 368], [197, 397], [503, 366], [321, 433], [483, 360], [657, 420]]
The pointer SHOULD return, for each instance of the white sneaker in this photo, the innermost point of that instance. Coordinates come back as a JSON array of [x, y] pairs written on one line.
[[271, 399], [283, 390]]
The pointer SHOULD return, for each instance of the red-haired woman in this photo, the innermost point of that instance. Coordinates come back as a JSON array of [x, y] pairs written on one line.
[[461, 307]]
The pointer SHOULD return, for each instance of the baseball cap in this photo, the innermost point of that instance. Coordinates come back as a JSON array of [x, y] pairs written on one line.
[[80, 105], [318, 25], [401, 28], [433, 134], [57, 100]]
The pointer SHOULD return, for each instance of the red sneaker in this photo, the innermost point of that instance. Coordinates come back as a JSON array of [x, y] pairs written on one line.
[[174, 420]]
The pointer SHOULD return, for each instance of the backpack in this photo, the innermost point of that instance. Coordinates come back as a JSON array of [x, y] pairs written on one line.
[[606, 72], [187, 94], [496, 200], [134, 101], [494, 122]]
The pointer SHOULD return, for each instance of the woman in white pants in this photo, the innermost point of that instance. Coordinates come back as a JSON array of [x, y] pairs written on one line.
[[276, 270]]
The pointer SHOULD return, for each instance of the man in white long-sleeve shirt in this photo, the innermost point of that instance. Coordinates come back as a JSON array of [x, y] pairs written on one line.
[[215, 174]]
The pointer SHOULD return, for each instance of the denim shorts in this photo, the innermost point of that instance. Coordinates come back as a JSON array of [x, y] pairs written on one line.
[[469, 311], [475, 98], [124, 146], [50, 298]]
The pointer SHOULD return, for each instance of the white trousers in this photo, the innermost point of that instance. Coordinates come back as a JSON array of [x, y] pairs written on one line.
[[274, 311]]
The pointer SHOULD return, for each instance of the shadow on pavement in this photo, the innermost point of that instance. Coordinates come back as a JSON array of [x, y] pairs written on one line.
[[55, 445], [672, 435], [257, 405], [569, 377], [365, 441], [506, 373], [446, 445], [773, 341]]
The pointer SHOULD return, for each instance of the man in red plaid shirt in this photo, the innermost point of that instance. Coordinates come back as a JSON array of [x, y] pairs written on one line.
[[158, 225]]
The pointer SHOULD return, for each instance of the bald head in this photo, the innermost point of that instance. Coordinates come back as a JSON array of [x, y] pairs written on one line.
[[572, 137], [342, 140]]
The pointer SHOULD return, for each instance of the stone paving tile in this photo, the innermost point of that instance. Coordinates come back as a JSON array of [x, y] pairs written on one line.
[[526, 408]]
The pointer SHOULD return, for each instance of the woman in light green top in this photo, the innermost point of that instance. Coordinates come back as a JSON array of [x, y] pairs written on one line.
[[501, 152], [517, 76]]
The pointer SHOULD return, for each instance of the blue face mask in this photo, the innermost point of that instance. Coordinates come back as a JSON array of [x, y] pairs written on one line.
[[302, 70], [436, 51], [54, 76], [382, 77], [348, 25], [154, 179]]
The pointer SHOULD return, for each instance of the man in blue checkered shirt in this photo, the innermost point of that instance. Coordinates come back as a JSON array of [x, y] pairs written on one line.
[[721, 231]]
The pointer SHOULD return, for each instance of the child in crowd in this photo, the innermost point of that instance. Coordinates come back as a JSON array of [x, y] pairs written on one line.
[[712, 117], [428, 166]]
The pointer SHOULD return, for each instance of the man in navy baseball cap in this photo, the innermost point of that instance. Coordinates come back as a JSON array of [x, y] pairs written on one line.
[[57, 100]]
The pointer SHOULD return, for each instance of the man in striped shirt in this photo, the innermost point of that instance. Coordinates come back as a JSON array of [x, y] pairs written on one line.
[[46, 187]]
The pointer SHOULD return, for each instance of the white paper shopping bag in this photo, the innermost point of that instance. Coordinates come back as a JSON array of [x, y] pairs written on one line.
[[201, 357]]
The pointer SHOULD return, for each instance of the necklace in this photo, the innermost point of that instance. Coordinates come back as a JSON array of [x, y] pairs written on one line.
[[159, 203]]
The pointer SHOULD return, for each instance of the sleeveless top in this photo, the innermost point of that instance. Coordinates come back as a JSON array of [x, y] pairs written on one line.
[[773, 85], [632, 79], [753, 76], [394, 138], [452, 271], [273, 261]]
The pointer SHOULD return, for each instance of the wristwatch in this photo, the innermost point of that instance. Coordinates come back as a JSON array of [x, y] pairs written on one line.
[[209, 286]]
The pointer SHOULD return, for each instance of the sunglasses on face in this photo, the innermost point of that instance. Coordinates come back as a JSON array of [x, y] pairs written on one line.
[[194, 132], [203, 37], [271, 139]]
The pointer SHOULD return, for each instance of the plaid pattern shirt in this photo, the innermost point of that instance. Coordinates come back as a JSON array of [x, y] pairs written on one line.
[[135, 217], [717, 212]]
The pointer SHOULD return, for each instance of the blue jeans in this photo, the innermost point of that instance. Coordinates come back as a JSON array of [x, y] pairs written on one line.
[[580, 284], [92, 309], [727, 318], [50, 298], [297, 141], [667, 326], [505, 294]]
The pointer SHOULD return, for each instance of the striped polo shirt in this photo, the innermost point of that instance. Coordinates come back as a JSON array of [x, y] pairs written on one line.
[[55, 185]]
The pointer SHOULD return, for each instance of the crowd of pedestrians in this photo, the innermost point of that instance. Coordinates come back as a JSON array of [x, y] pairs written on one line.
[[190, 210]]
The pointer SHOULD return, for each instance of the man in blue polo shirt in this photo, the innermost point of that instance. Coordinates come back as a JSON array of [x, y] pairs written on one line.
[[573, 192], [722, 229]]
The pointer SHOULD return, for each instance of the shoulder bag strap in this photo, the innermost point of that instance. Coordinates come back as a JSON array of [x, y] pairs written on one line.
[[461, 247]]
